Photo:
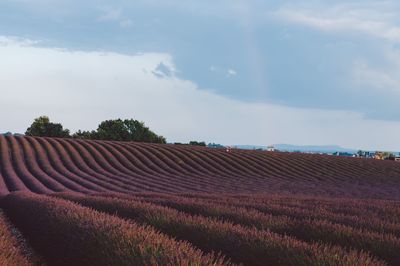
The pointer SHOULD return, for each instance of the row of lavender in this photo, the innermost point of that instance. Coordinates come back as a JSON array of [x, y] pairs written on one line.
[[12, 251], [64, 233], [160, 229], [336, 222], [46, 165]]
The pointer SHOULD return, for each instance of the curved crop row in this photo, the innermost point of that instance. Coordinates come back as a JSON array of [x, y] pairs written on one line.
[[241, 244], [386, 209], [11, 251], [364, 221], [65, 233], [384, 246], [375, 215], [46, 165]]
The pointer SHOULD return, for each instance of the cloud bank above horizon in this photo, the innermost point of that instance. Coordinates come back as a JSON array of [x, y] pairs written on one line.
[[82, 88], [298, 72]]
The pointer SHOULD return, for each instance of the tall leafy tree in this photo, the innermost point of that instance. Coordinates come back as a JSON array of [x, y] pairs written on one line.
[[113, 130], [85, 134], [198, 143], [122, 130], [42, 127]]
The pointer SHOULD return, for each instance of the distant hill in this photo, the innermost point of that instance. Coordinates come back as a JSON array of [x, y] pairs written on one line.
[[307, 148], [47, 165]]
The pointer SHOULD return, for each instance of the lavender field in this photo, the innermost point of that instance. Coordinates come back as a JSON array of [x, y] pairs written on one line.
[[76, 202]]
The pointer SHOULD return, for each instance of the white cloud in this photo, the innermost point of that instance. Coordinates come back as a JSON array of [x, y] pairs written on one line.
[[377, 20], [80, 89], [366, 75], [16, 41], [231, 72], [116, 15], [223, 71]]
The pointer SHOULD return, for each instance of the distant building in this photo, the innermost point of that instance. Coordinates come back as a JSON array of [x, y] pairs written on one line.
[[365, 154], [379, 155], [271, 148]]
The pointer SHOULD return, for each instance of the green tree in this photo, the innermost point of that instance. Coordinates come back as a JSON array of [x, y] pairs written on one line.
[[139, 132], [113, 130], [85, 134], [122, 130], [198, 143], [42, 127]]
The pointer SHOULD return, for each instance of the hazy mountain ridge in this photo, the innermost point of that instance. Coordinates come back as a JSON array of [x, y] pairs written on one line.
[[305, 148]]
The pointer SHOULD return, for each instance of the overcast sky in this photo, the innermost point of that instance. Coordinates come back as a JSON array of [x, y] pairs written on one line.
[[232, 72]]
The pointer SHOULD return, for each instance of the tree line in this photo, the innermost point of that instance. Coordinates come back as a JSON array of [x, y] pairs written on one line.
[[117, 129]]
